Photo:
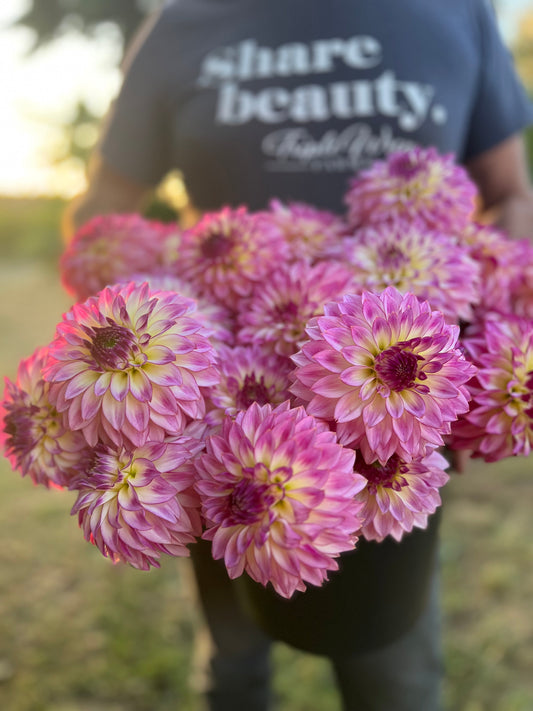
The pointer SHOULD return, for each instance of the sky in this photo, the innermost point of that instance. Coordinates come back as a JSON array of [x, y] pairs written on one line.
[[37, 93]]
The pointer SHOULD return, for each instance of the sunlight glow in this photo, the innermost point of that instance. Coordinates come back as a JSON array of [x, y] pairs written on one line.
[[39, 92]]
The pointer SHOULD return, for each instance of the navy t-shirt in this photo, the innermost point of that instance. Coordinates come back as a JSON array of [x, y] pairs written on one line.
[[254, 99]]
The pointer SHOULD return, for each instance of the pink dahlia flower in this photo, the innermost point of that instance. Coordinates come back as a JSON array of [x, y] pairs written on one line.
[[227, 252], [218, 322], [35, 439], [136, 504], [503, 264], [249, 374], [413, 258], [521, 286], [278, 497], [418, 183], [400, 496], [276, 314], [387, 370], [109, 249], [127, 365], [500, 421], [310, 233]]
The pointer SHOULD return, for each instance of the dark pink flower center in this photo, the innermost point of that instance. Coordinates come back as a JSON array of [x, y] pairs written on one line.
[[403, 166], [393, 257], [397, 368], [252, 390], [253, 495], [286, 311], [215, 246], [388, 475], [111, 345], [19, 427]]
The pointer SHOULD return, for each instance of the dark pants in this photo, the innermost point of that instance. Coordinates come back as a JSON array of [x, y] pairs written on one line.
[[403, 676]]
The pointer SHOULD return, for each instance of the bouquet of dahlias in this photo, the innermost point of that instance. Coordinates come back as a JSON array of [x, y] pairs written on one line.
[[280, 382]]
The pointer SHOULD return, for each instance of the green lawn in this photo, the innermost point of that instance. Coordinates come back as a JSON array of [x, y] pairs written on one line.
[[79, 634]]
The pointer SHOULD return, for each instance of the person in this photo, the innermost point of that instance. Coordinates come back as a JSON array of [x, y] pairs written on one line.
[[253, 100]]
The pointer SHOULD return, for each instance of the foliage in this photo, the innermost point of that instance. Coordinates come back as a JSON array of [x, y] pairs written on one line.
[[50, 18]]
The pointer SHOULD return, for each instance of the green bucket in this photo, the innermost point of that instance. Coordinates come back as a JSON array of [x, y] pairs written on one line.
[[374, 598]]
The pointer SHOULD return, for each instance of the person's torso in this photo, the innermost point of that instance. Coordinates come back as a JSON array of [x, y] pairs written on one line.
[[292, 98]]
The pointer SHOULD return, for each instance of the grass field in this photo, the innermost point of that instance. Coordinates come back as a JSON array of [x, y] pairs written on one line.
[[79, 634]]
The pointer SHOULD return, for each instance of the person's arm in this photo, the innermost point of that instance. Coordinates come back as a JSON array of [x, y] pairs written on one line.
[[501, 174], [107, 192]]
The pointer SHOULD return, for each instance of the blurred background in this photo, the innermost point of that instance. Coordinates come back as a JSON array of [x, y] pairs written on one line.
[[78, 634]]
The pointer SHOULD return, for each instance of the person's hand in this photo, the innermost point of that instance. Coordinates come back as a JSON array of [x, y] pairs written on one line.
[[502, 177], [515, 216]]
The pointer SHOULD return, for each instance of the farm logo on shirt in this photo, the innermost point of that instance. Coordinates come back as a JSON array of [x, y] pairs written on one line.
[[370, 107]]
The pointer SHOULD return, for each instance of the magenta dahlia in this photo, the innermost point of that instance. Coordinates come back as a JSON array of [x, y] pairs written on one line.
[[276, 314], [500, 421], [278, 494], [399, 495], [218, 321], [128, 365], [248, 374], [310, 233], [503, 264], [408, 255], [136, 504], [387, 370], [35, 439], [109, 249], [227, 252], [521, 286], [418, 183]]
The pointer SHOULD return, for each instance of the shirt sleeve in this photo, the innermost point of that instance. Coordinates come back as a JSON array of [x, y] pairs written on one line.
[[135, 136], [501, 107]]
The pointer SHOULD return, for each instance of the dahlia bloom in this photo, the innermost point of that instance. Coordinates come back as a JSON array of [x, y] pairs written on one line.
[[277, 494], [413, 258], [276, 314], [500, 421], [521, 286], [504, 264], [310, 233], [35, 439], [135, 504], [387, 370], [227, 252], [216, 320], [127, 365], [248, 374], [399, 495], [108, 249], [415, 183]]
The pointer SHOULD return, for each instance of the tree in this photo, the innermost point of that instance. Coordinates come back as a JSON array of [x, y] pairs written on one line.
[[51, 19]]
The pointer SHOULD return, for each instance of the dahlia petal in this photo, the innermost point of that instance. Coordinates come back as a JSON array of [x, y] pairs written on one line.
[[79, 383], [112, 410], [90, 406], [140, 385], [137, 413], [118, 385], [103, 383], [415, 403]]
